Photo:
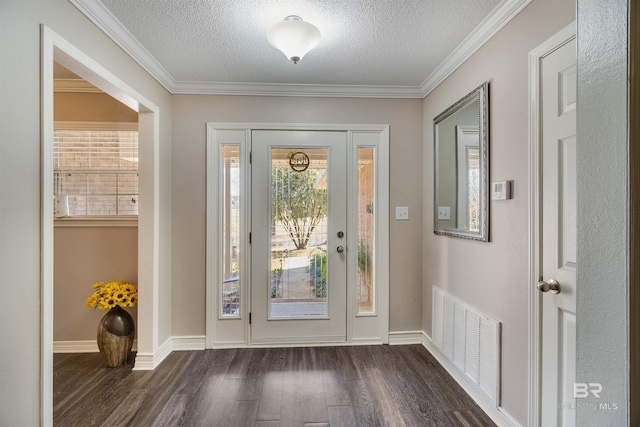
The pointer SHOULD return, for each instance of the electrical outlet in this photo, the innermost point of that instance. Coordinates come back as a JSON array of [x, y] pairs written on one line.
[[402, 212], [444, 212]]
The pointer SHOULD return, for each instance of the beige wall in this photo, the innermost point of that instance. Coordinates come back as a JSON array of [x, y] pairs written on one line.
[[20, 247], [90, 107], [190, 115], [493, 277], [83, 256]]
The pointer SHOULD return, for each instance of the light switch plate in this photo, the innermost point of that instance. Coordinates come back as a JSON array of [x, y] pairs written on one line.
[[444, 212], [402, 212]]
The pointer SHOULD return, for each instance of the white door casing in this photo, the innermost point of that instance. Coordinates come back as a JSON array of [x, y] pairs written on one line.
[[266, 326], [372, 327], [553, 231], [149, 355]]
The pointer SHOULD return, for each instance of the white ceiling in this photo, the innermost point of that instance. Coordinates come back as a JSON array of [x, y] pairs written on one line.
[[390, 48]]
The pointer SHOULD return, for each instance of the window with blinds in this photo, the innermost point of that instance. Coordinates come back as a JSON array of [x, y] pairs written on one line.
[[96, 167]]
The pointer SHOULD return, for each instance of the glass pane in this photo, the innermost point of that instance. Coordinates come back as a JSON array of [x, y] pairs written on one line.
[[473, 176], [230, 190], [298, 285], [77, 205], [97, 170], [366, 217], [101, 205], [128, 205], [128, 184]]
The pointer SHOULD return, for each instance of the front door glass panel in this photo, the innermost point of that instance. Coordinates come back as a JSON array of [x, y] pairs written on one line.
[[298, 285]]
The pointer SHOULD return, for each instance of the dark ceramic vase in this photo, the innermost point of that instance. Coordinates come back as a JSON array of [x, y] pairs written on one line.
[[115, 336]]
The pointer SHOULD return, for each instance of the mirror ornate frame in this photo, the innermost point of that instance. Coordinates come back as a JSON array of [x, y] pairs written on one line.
[[461, 167]]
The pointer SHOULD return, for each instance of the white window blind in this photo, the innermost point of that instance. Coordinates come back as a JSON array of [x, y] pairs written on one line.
[[96, 167]]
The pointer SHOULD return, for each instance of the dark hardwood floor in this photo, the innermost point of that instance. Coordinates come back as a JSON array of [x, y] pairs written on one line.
[[312, 386]]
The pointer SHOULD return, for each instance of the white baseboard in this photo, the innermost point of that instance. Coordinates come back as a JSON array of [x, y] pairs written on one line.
[[195, 342], [81, 346], [364, 341], [499, 416], [149, 361], [405, 337], [300, 341]]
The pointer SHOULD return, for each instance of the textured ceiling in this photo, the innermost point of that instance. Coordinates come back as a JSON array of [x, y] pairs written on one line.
[[364, 42]]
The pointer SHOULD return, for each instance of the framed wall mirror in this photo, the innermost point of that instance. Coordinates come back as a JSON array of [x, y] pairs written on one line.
[[461, 156]]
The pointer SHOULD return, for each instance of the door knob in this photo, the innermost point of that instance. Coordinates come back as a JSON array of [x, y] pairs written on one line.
[[340, 249], [550, 285]]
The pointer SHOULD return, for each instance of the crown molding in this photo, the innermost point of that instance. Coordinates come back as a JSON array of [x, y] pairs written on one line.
[[112, 27], [279, 89], [497, 19], [74, 86], [109, 24]]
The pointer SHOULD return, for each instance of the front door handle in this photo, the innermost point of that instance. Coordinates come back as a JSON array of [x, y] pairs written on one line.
[[340, 249]]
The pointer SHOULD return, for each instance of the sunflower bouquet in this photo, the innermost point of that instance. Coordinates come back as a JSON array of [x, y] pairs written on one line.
[[111, 294]]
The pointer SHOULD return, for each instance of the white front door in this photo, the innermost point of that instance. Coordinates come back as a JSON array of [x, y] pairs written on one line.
[[298, 229], [558, 240]]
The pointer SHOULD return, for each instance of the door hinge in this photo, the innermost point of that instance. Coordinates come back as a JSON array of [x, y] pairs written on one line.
[[250, 157], [249, 237], [249, 317]]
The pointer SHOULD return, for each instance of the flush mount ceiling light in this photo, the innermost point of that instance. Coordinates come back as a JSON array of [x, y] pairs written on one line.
[[294, 37]]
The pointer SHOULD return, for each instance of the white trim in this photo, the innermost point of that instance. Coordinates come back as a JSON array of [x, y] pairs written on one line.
[[95, 222], [383, 238], [364, 341], [230, 344], [497, 414], [211, 244], [76, 125], [110, 25], [497, 19], [405, 337], [251, 126], [535, 57], [148, 239], [214, 232], [183, 343], [48, 41], [289, 89], [296, 341], [150, 361], [227, 345], [82, 346], [74, 86]]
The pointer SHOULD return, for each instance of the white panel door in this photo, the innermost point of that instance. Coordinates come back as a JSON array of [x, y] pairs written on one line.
[[558, 175], [298, 249]]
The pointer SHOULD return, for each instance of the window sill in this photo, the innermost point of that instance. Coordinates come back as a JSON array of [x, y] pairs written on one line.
[[129, 221]]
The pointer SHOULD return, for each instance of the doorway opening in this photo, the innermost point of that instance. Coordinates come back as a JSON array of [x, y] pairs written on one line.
[[55, 49]]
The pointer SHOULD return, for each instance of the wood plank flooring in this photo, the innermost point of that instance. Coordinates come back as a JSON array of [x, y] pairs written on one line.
[[312, 386]]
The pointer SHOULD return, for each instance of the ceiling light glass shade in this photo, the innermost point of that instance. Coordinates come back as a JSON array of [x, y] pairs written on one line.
[[294, 37]]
